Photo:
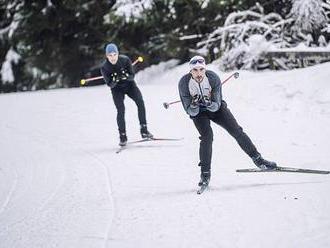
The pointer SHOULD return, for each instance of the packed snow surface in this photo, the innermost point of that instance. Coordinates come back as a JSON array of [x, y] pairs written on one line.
[[63, 185]]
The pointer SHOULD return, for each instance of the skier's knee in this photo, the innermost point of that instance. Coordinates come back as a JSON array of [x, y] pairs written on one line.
[[121, 113], [120, 108], [208, 136], [140, 102], [237, 133]]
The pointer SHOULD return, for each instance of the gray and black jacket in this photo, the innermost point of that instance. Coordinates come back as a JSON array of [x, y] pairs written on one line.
[[187, 99], [120, 74]]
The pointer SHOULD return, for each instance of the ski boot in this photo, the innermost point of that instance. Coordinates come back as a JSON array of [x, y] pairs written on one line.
[[263, 164], [145, 134], [205, 178], [123, 139]]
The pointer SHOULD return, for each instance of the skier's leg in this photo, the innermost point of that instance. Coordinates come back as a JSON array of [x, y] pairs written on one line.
[[118, 98], [135, 94], [225, 118], [202, 123]]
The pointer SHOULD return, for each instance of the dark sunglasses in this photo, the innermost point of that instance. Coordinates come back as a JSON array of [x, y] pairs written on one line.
[[195, 61]]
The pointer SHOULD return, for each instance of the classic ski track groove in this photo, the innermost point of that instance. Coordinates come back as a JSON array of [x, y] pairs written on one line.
[[39, 138], [110, 195], [10, 193], [42, 139]]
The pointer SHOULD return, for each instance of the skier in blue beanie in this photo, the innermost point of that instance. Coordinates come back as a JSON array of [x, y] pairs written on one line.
[[118, 74]]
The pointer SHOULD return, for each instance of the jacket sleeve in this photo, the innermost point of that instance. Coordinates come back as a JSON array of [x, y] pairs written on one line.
[[216, 93], [128, 73], [186, 98]]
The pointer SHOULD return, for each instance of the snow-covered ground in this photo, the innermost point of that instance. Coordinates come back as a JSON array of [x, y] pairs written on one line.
[[63, 185]]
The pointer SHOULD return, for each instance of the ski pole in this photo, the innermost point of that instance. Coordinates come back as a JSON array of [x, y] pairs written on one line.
[[167, 104], [84, 81], [235, 75]]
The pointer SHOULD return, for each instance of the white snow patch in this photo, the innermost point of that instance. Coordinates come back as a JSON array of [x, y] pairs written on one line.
[[63, 185]]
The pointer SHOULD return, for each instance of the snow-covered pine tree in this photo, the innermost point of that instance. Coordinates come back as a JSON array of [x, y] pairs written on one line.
[[57, 41], [13, 77], [245, 36], [326, 30], [309, 18]]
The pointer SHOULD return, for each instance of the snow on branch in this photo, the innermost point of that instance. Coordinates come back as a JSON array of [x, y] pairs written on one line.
[[7, 74], [246, 36], [240, 25], [308, 15], [190, 37], [132, 8]]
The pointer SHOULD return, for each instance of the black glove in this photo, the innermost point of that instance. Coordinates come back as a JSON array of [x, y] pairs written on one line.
[[196, 100], [202, 107], [124, 75], [204, 103], [114, 77]]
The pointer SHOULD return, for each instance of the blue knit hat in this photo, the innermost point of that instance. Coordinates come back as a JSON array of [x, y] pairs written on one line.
[[111, 48]]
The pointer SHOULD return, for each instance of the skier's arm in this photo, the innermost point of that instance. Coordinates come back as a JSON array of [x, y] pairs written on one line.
[[186, 99], [128, 72], [216, 94]]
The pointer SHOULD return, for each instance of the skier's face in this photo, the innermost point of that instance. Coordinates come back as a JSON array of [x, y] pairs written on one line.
[[112, 57], [198, 74]]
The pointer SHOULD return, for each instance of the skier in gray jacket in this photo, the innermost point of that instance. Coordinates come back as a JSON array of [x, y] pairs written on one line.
[[201, 97]]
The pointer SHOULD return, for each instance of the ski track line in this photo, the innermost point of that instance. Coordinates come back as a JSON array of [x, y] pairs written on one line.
[[41, 138], [10, 193], [13, 187], [33, 212], [36, 210], [110, 194], [53, 194], [110, 191]]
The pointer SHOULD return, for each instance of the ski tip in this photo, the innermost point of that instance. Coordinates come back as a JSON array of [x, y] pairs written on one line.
[[285, 169], [166, 139]]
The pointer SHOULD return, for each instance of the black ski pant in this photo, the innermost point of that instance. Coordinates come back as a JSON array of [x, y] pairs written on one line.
[[118, 95], [225, 119]]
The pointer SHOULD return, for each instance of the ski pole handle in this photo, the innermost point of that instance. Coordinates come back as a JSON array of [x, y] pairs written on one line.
[[84, 81], [139, 59], [167, 104]]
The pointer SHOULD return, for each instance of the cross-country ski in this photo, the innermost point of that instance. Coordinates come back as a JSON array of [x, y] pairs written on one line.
[[129, 144], [284, 169]]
